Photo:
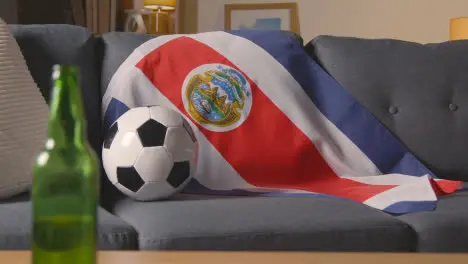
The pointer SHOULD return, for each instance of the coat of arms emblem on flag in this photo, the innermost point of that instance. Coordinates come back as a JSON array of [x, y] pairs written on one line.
[[217, 96]]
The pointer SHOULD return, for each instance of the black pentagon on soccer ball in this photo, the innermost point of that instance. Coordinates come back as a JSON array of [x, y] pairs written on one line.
[[129, 178], [110, 135], [152, 133], [179, 173]]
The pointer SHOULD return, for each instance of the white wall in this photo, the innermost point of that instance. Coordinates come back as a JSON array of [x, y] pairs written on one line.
[[8, 11], [414, 20]]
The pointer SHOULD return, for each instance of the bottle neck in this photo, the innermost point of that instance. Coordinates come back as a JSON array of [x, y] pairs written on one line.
[[67, 124]]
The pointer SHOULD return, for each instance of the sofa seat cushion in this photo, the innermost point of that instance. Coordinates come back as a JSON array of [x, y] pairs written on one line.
[[15, 227], [264, 223], [446, 228]]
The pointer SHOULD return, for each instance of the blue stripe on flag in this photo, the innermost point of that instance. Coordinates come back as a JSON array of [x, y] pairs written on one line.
[[115, 109], [413, 206], [353, 119]]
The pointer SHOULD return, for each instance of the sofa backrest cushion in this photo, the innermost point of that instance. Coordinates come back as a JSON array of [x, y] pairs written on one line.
[[420, 92], [119, 45], [46, 45]]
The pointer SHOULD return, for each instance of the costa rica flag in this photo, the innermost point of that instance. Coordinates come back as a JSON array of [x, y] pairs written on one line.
[[271, 122]]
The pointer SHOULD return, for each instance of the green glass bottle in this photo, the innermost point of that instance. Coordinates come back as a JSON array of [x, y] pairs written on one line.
[[65, 185]]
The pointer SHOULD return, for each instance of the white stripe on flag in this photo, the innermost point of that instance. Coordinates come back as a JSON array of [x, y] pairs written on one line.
[[409, 189], [390, 179], [343, 156], [418, 189]]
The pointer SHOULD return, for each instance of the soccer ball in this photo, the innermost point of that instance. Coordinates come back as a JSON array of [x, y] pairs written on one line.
[[149, 153]]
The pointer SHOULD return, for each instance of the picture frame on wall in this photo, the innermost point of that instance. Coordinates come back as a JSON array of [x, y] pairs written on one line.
[[275, 16]]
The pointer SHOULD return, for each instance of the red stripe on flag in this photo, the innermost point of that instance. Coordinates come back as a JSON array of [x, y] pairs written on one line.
[[267, 150], [443, 187]]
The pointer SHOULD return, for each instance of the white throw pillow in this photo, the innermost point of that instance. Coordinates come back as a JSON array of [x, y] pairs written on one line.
[[23, 118]]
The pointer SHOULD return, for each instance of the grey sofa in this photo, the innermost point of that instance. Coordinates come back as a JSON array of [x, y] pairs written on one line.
[[417, 91]]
